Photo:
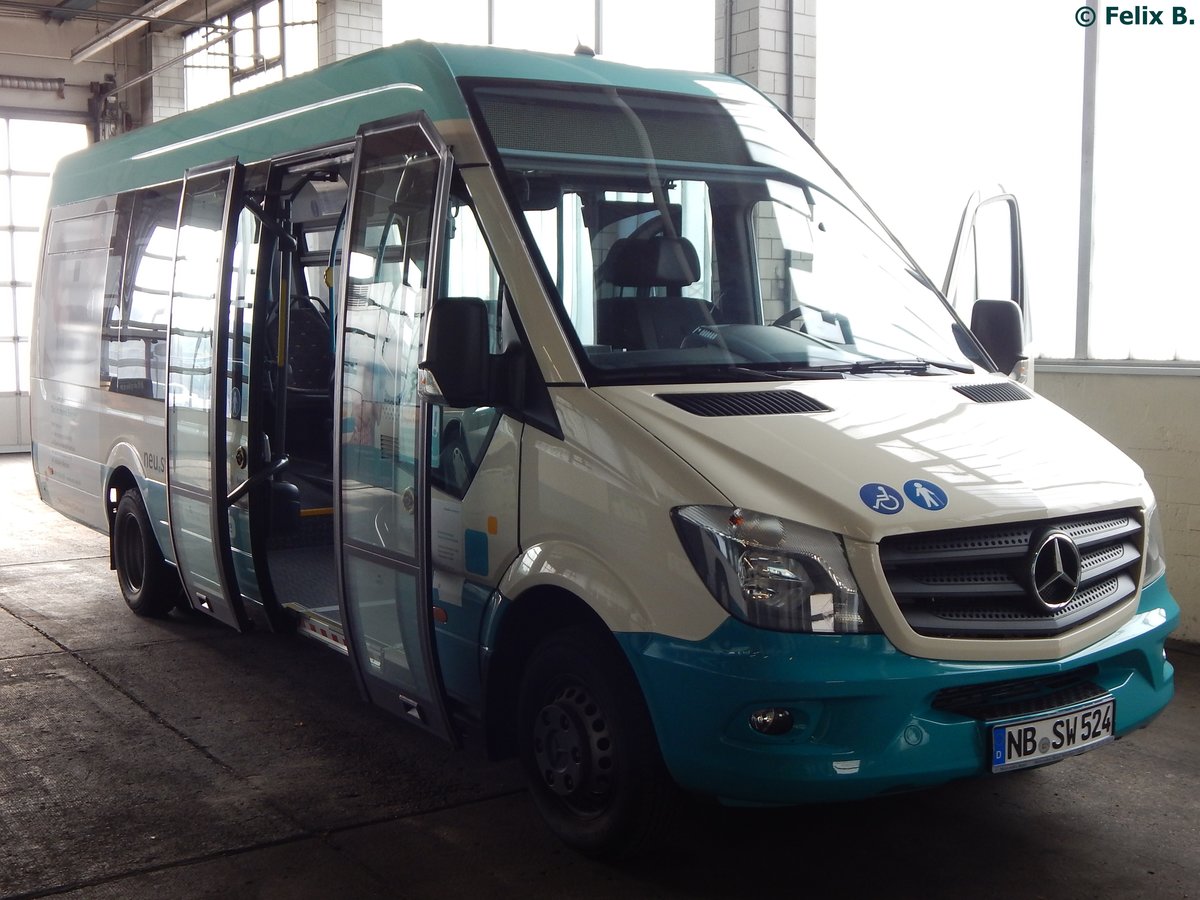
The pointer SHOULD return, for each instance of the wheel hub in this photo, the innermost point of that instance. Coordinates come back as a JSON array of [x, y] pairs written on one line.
[[573, 748]]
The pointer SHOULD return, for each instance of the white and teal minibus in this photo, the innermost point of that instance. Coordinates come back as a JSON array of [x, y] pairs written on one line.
[[586, 409]]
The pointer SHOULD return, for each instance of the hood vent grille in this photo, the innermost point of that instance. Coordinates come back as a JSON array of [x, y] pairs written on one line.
[[1001, 392], [746, 403]]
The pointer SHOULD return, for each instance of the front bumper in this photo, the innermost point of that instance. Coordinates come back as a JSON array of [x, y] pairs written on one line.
[[868, 719]]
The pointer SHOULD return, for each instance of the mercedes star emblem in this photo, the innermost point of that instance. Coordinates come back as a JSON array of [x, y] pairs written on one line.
[[1055, 568]]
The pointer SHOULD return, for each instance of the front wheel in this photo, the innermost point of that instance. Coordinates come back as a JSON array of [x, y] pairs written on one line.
[[589, 749], [150, 587]]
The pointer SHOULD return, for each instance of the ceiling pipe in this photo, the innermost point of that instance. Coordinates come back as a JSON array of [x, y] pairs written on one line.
[[133, 22], [25, 83]]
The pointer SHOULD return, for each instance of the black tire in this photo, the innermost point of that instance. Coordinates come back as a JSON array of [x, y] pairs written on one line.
[[456, 463], [150, 586], [589, 750]]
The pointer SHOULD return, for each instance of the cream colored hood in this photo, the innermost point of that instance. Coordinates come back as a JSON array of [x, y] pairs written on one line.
[[942, 459]]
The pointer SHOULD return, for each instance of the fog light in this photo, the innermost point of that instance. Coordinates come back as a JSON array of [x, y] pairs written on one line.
[[772, 721]]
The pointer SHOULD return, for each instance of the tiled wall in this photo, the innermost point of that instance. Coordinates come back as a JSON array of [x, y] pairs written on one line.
[[348, 27], [166, 96], [753, 38]]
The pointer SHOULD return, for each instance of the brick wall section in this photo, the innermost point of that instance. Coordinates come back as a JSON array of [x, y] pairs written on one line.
[[752, 40], [166, 88], [348, 27], [1148, 416]]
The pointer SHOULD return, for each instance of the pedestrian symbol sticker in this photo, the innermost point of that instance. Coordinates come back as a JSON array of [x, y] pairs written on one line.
[[882, 498], [925, 494]]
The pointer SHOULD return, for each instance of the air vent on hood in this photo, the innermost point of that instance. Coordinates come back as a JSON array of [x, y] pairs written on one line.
[[1000, 392], [746, 403]]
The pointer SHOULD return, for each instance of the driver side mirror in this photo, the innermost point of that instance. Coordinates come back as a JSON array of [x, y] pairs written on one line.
[[998, 326], [457, 351]]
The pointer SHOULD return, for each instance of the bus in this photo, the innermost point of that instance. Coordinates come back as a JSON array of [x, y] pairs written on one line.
[[589, 413]]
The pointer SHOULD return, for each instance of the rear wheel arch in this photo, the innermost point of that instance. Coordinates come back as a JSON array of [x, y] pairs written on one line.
[[120, 481], [149, 585]]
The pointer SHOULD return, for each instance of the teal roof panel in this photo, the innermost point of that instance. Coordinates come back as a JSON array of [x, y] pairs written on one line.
[[329, 104]]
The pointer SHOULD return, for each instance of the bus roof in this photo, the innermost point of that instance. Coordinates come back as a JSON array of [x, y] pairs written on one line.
[[329, 104]]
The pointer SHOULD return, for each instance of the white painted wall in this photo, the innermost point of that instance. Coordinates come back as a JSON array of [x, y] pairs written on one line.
[[1153, 419], [32, 48]]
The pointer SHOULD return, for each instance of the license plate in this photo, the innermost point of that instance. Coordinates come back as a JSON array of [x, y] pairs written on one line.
[[1034, 742]]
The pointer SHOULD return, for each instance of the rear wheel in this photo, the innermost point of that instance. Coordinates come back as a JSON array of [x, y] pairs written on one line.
[[589, 749], [150, 586]]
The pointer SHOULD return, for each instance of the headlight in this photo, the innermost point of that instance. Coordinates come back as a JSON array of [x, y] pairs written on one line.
[[773, 573], [1156, 562]]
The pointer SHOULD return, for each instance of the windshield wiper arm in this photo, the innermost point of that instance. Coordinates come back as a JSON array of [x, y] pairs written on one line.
[[902, 366], [793, 372]]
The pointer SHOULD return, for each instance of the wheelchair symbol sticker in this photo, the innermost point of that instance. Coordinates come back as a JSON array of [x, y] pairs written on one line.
[[882, 498], [925, 494]]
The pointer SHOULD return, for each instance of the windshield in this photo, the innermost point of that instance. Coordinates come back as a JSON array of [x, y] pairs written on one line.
[[693, 237]]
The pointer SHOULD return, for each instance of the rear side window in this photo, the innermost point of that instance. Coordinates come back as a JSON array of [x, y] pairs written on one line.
[[80, 271]]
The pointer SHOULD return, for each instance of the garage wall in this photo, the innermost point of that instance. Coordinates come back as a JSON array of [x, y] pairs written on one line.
[[1153, 419], [32, 48]]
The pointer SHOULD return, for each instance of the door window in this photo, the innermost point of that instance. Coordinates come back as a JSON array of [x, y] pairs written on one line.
[[394, 217], [196, 396]]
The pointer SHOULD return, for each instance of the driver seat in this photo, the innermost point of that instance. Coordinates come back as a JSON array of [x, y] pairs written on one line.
[[656, 317]]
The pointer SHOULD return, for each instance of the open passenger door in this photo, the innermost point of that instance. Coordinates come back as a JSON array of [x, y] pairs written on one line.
[[985, 281], [389, 256], [197, 389]]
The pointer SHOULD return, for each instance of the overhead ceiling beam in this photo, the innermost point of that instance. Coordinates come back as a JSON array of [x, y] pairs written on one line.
[[53, 14], [69, 9], [129, 24]]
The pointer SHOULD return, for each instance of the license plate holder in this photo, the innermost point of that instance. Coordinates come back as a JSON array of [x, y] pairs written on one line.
[[1042, 739]]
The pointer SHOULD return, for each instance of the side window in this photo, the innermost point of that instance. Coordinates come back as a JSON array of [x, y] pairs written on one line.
[[137, 307], [562, 227], [77, 276], [461, 436]]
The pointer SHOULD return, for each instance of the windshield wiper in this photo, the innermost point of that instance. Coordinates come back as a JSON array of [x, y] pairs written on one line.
[[790, 371], [900, 366], [769, 371]]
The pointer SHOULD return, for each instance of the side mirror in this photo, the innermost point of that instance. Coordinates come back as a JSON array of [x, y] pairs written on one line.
[[998, 326], [456, 352]]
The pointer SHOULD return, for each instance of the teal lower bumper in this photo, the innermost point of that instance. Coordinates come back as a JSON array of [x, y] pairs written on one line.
[[868, 718]]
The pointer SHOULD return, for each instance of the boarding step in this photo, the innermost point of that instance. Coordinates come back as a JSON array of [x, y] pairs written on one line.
[[320, 628]]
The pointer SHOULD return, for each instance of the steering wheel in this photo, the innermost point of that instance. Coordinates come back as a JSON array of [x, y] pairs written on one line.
[[790, 316]]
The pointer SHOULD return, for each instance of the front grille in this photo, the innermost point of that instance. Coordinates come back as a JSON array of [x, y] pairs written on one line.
[[979, 582], [1024, 697]]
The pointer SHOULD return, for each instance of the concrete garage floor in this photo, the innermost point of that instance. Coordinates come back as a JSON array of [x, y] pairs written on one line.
[[177, 759]]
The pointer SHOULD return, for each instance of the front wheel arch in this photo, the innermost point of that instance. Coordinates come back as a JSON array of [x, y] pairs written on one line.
[[525, 623], [588, 746]]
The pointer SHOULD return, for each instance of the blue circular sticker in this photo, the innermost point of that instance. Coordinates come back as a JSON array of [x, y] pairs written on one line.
[[925, 494], [883, 498]]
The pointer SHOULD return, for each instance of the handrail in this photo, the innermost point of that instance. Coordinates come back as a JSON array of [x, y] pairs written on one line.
[[273, 468]]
